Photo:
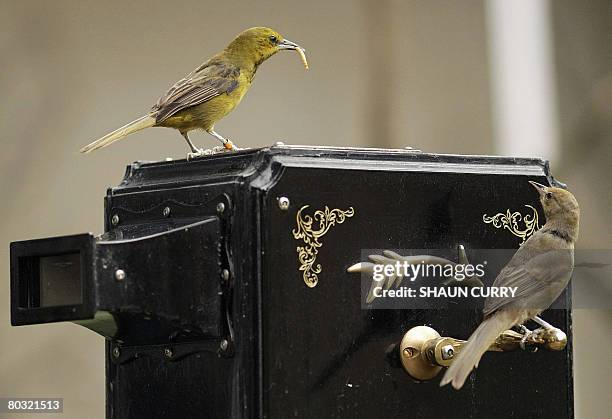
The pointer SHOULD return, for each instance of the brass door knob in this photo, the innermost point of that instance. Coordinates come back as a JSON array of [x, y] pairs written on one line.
[[423, 352]]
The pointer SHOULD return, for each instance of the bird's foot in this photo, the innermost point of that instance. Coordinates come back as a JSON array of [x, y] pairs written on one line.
[[531, 336], [200, 152], [211, 151], [221, 149], [522, 329]]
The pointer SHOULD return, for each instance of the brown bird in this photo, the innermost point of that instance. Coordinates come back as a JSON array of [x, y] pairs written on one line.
[[209, 92], [540, 269]]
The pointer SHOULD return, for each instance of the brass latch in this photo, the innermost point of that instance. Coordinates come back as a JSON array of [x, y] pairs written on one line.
[[423, 352]]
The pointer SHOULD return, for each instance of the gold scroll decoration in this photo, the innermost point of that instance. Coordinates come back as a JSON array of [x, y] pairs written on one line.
[[511, 220], [310, 229]]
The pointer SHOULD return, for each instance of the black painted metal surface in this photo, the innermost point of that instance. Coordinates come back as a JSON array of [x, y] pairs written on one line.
[[296, 351]]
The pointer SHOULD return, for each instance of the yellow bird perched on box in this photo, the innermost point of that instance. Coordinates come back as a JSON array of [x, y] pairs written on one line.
[[209, 92]]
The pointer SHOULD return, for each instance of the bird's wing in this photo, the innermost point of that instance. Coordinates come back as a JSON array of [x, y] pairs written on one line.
[[538, 275], [208, 81]]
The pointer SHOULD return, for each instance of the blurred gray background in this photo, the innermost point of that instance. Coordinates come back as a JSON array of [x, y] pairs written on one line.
[[526, 77]]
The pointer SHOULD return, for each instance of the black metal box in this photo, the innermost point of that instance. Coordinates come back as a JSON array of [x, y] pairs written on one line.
[[271, 324]]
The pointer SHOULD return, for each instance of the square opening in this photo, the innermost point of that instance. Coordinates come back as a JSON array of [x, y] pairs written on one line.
[[50, 281]]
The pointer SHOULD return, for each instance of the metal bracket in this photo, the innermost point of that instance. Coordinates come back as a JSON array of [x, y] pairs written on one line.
[[170, 352]]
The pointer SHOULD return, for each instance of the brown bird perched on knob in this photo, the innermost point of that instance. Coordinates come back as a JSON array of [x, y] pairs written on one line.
[[209, 92], [540, 270]]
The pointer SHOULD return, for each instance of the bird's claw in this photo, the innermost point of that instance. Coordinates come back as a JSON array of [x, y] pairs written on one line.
[[524, 340], [224, 149], [200, 152], [528, 335], [211, 151]]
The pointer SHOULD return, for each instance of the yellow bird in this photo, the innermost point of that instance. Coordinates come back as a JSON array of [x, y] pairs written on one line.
[[209, 92]]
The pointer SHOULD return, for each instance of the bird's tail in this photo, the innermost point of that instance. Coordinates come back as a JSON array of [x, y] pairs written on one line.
[[137, 125], [477, 345]]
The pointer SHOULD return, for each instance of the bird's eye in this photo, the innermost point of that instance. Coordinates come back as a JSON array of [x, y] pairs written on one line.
[[273, 39], [548, 195]]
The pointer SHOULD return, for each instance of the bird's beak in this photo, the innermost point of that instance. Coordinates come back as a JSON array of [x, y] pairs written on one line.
[[287, 44], [539, 187]]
